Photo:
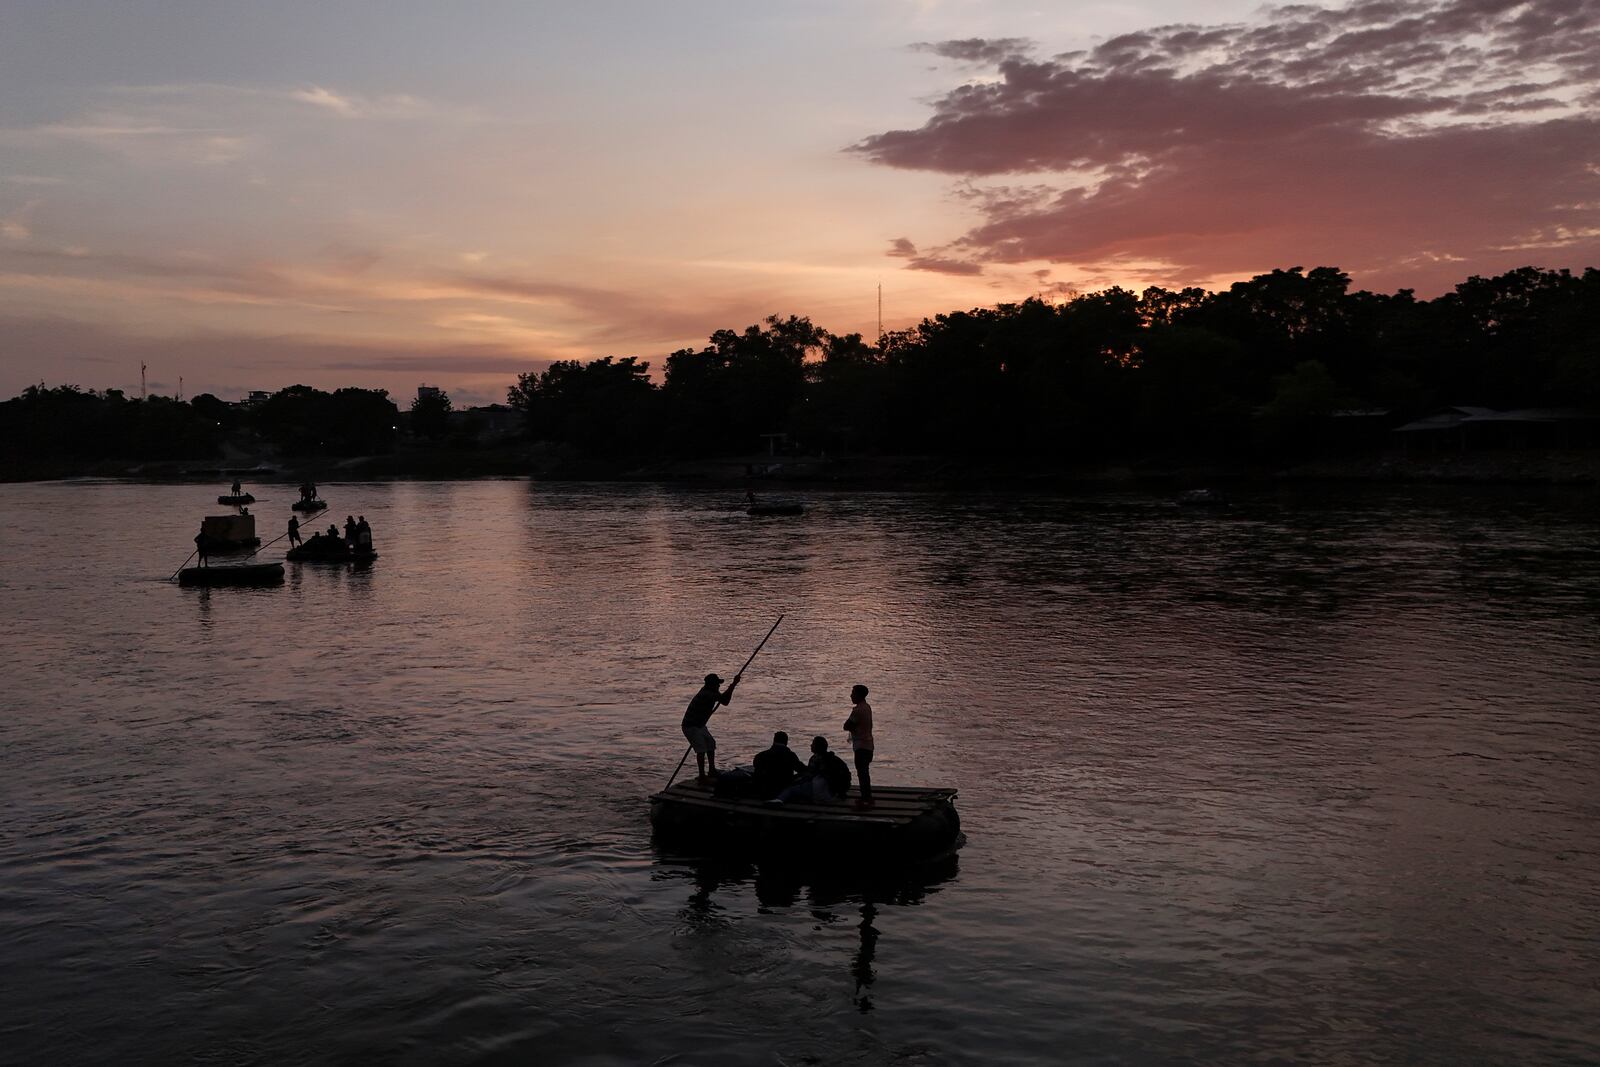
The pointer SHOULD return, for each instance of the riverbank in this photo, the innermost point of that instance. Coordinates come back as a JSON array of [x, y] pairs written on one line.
[[1576, 467]]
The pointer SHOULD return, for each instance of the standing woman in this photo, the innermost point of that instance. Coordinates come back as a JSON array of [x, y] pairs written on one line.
[[859, 727]]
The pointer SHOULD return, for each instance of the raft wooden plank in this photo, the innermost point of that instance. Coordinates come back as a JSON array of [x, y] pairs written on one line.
[[887, 800], [884, 803], [910, 804], [919, 791], [791, 812]]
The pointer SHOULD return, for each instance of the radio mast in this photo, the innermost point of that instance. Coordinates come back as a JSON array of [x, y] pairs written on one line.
[[142, 368]]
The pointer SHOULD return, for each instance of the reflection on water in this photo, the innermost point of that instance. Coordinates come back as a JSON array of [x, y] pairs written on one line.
[[1312, 779]]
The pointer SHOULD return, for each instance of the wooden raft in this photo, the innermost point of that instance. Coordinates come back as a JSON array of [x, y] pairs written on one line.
[[892, 804]]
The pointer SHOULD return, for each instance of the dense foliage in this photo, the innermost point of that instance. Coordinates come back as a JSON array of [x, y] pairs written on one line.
[[1115, 373], [430, 415], [66, 422]]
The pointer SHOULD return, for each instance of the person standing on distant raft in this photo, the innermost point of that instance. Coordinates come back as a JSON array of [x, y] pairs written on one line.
[[238, 490], [859, 727], [695, 717]]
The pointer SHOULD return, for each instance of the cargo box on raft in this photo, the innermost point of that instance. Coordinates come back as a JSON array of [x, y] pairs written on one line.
[[905, 823], [230, 531]]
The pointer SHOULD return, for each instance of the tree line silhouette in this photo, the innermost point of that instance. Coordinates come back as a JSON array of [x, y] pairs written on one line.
[[67, 422], [1258, 369]]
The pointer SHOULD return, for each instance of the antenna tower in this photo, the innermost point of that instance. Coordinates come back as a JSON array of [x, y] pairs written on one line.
[[180, 387], [142, 368]]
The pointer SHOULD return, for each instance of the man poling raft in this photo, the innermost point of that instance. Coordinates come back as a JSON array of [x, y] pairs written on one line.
[[702, 707]]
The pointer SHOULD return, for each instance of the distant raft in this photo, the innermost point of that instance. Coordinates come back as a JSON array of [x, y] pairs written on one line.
[[242, 498], [1201, 498], [906, 824], [309, 505], [775, 509], [237, 574]]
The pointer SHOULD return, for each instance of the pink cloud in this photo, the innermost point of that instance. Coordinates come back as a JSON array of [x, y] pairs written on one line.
[[1383, 137]]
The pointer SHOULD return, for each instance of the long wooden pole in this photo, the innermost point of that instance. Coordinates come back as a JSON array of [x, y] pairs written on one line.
[[182, 565], [736, 677]]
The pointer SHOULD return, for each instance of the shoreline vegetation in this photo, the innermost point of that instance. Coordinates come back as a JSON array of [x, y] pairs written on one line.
[[1289, 376]]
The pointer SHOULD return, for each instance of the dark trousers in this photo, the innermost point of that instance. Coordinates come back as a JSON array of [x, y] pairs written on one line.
[[863, 774]]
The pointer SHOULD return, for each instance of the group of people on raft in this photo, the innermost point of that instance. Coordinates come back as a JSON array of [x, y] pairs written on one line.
[[308, 491], [778, 776], [357, 536]]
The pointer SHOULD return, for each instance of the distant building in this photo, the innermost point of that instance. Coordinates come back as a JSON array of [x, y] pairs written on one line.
[[429, 392], [257, 396]]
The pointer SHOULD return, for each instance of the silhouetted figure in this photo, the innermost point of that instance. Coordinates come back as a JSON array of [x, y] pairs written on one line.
[[777, 767], [363, 534], [333, 532], [701, 707], [350, 530], [202, 547], [238, 490], [859, 727], [826, 776], [749, 497], [294, 531]]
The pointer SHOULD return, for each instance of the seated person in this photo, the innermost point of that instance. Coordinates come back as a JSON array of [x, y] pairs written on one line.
[[777, 767], [827, 778]]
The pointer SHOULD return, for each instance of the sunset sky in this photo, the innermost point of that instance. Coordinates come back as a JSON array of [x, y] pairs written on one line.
[[381, 194]]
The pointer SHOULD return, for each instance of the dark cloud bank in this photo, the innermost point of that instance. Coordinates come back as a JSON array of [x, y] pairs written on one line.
[[1412, 143]]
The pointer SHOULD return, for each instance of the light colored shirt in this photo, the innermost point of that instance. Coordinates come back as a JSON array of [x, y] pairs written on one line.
[[860, 726]]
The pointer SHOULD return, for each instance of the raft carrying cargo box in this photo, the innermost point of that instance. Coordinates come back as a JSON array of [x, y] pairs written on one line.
[[905, 824], [239, 574]]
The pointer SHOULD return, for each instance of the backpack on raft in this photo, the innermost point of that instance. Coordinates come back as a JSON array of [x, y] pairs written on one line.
[[836, 774], [734, 785]]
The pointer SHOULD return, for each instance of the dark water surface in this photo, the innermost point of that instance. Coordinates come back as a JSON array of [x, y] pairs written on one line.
[[1315, 780]]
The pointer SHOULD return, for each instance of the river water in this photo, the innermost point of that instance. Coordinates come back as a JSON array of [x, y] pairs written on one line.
[[1312, 780]]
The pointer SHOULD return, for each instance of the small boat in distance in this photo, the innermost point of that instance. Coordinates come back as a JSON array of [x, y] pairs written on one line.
[[309, 506], [905, 824], [776, 509], [256, 574], [242, 498], [1201, 498]]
